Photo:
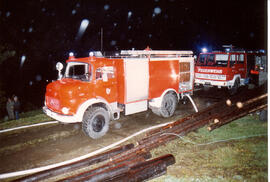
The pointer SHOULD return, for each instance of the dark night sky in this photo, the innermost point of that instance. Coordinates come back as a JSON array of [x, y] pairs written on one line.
[[45, 31]]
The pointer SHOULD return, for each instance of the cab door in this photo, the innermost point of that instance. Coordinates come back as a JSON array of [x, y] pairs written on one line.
[[237, 64], [105, 83], [240, 65]]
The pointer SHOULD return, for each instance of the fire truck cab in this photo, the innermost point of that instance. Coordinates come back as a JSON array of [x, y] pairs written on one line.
[[95, 89], [230, 69]]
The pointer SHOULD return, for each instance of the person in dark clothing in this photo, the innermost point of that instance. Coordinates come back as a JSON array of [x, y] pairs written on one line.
[[10, 108], [17, 106]]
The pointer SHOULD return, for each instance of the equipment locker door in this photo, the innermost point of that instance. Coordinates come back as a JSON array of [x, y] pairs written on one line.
[[136, 84], [186, 66]]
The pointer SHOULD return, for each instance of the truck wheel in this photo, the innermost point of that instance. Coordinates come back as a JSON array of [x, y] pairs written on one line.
[[235, 87], [95, 122], [168, 105]]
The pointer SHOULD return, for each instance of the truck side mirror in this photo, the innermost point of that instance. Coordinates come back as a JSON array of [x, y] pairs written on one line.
[[59, 67]]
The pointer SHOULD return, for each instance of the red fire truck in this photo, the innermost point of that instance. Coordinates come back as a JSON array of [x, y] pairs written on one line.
[[95, 89], [230, 69]]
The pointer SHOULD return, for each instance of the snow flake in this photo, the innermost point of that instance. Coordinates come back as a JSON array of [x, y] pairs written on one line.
[[74, 12], [43, 9], [38, 78], [83, 26], [30, 29], [22, 60], [129, 27], [150, 35], [113, 43], [139, 20], [8, 14], [129, 14], [114, 24], [156, 0], [157, 10], [78, 5], [106, 7], [84, 23], [30, 83]]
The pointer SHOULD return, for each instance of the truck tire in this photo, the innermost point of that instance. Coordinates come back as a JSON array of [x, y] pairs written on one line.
[[235, 87], [95, 122], [168, 105]]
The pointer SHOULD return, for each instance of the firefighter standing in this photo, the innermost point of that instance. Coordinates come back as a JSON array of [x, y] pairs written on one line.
[[17, 106], [10, 108]]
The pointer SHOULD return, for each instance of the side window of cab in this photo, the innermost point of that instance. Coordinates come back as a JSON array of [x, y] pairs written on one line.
[[241, 59], [106, 72], [232, 60], [98, 74]]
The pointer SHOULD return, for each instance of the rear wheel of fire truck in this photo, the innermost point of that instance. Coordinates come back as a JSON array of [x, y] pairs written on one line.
[[235, 87], [95, 122], [168, 105]]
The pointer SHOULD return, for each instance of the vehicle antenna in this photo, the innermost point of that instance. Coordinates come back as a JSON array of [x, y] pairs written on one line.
[[101, 39]]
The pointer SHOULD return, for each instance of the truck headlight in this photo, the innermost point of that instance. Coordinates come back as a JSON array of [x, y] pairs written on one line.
[[65, 110]]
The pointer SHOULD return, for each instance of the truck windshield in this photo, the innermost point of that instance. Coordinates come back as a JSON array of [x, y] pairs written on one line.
[[215, 60], [80, 71]]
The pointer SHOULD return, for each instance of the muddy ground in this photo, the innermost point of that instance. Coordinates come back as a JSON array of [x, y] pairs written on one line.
[[44, 145]]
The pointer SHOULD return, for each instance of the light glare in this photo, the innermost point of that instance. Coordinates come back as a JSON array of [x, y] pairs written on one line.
[[204, 50]]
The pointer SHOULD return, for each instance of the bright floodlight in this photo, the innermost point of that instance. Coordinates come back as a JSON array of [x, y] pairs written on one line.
[[204, 50]]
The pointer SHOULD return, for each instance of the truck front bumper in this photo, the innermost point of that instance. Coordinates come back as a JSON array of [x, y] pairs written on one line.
[[213, 83], [60, 117]]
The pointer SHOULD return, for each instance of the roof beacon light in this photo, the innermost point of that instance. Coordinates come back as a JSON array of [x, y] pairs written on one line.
[[204, 50], [71, 54], [227, 49]]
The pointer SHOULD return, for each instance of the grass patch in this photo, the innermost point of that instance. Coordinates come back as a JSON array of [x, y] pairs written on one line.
[[234, 152], [31, 117]]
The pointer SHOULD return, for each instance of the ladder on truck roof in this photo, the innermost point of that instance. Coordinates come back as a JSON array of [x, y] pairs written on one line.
[[156, 53]]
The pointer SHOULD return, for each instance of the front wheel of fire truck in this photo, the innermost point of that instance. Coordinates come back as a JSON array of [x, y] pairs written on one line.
[[168, 105], [235, 87], [95, 122]]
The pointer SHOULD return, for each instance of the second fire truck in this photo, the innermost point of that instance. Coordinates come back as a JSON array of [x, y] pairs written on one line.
[[231, 69]]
